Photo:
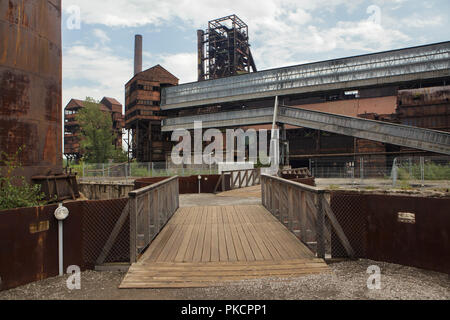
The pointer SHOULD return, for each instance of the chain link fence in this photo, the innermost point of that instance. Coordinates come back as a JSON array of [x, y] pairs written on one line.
[[392, 169], [125, 171]]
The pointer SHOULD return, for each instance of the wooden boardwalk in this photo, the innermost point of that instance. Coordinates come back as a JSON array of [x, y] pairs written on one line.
[[210, 246]]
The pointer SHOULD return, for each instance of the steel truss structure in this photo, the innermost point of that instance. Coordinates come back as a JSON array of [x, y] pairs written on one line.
[[411, 64], [224, 49]]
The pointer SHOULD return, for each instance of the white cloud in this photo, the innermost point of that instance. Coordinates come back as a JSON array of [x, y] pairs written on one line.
[[99, 72], [101, 35], [132, 13]]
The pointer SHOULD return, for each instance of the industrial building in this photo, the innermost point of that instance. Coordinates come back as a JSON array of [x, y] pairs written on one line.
[[407, 86], [143, 114], [72, 146]]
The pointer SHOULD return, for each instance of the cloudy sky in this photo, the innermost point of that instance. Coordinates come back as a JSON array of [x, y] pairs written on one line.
[[98, 49]]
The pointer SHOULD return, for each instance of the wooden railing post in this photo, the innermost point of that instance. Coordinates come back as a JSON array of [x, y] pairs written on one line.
[[147, 218], [320, 226], [263, 193], [222, 177], [133, 228], [303, 216], [291, 207]]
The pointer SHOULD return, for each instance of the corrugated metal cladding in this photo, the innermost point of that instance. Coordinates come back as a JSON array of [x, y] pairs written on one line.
[[30, 82]]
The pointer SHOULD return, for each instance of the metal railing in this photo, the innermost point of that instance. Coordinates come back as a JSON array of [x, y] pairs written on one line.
[[148, 210], [305, 211], [239, 179]]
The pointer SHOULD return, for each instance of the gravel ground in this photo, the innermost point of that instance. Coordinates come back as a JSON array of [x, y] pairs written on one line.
[[348, 281]]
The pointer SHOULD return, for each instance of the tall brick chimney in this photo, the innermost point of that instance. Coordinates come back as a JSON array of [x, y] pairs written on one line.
[[138, 54]]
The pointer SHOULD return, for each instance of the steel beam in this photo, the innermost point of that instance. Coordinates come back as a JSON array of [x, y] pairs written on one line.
[[396, 134]]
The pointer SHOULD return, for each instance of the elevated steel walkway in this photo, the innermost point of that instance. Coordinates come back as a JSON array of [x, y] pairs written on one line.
[[396, 134]]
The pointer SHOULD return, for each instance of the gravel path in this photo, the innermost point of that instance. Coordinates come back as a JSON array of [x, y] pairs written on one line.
[[348, 281]]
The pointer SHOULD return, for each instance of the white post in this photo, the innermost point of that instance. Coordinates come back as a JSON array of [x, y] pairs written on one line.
[[61, 213], [60, 248], [394, 173]]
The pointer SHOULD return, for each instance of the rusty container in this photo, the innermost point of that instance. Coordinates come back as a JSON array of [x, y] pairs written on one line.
[[30, 84]]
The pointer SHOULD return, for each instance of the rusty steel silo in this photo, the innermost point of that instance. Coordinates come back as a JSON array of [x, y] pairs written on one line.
[[30, 83]]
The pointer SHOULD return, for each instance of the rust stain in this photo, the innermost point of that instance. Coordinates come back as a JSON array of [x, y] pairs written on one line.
[[49, 152], [14, 96], [10, 12], [5, 37], [15, 134], [52, 102]]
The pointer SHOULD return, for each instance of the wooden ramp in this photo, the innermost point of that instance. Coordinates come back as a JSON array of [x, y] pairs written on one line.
[[210, 246]]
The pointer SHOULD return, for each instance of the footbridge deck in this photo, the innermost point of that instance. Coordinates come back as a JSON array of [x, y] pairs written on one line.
[[211, 246]]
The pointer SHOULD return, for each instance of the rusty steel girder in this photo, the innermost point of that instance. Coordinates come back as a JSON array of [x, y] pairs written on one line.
[[30, 84]]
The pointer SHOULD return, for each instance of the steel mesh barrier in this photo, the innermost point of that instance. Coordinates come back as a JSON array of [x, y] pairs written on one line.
[[349, 211], [99, 219]]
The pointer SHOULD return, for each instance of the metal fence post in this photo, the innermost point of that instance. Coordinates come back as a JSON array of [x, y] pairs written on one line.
[[410, 168], [361, 168], [422, 170], [83, 169], [153, 168]]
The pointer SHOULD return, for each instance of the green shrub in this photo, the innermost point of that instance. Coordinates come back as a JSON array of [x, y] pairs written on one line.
[[15, 192], [432, 172]]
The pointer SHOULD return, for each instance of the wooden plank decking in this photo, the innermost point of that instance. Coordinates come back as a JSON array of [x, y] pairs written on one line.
[[209, 246]]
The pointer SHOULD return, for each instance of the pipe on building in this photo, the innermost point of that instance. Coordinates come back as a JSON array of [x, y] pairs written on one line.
[[201, 55]]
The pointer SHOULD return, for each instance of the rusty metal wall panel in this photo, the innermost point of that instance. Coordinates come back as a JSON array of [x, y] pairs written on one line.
[[29, 240], [30, 78], [422, 243], [424, 96], [372, 224], [189, 185], [29, 244]]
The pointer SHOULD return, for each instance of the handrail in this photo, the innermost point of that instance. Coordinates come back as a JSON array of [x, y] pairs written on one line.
[[303, 209], [296, 184], [254, 178], [150, 209], [151, 187]]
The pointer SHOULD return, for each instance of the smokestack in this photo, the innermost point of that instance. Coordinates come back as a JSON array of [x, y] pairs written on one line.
[[137, 54]]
